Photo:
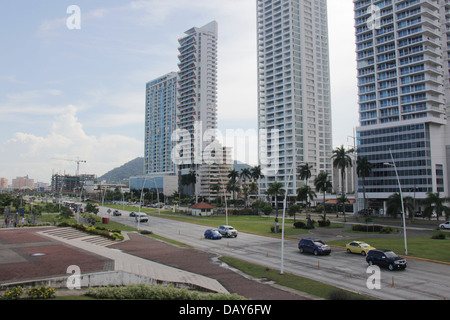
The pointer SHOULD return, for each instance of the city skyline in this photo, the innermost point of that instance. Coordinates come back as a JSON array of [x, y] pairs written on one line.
[[79, 93]]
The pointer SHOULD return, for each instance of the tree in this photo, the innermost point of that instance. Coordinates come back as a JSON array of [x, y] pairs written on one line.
[[257, 174], [394, 205], [323, 184], [293, 210], [216, 188], [190, 179], [342, 161], [245, 174], [305, 193], [364, 170], [275, 190], [304, 172], [343, 200], [435, 204], [233, 186]]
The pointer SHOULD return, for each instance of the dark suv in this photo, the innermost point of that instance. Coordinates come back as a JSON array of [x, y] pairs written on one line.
[[314, 246], [385, 258]]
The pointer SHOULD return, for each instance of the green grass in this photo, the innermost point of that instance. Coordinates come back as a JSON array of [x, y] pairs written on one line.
[[420, 247], [288, 280], [245, 223]]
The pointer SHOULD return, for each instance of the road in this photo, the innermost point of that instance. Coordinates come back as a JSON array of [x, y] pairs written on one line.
[[422, 280]]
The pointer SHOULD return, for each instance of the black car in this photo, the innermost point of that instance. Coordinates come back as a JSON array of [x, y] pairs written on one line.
[[385, 258], [315, 246]]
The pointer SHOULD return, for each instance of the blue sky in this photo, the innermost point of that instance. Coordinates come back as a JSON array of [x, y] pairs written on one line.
[[66, 93]]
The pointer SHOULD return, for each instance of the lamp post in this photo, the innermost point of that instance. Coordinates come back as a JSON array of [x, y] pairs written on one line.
[[401, 198]]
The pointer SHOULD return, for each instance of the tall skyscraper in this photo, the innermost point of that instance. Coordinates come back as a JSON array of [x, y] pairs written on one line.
[[160, 123], [197, 88], [294, 90], [403, 82]]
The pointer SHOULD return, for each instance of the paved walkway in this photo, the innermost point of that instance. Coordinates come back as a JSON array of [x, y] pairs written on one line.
[[38, 253]]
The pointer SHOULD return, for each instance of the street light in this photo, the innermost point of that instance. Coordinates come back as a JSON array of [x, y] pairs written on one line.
[[401, 198]]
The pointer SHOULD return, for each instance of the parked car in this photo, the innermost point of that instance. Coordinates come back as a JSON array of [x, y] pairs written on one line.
[[116, 213], [228, 231], [315, 246], [386, 259], [213, 234], [358, 247], [445, 225], [141, 217]]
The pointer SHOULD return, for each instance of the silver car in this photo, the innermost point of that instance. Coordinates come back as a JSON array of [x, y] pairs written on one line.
[[228, 231]]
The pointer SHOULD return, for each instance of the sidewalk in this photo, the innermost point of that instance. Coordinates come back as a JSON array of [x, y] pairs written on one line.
[[40, 253]]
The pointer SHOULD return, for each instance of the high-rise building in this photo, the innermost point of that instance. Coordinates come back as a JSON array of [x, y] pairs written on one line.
[[160, 123], [294, 90], [403, 81], [197, 89]]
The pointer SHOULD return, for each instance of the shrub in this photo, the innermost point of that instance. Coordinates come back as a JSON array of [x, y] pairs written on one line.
[[149, 292], [438, 236], [272, 229], [387, 230], [13, 293], [300, 225], [146, 232], [324, 223], [41, 293]]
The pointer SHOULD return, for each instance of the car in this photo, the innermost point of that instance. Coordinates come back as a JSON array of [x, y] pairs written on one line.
[[133, 214], [141, 217], [213, 234], [116, 213], [315, 246], [228, 231], [445, 225], [385, 258], [358, 247]]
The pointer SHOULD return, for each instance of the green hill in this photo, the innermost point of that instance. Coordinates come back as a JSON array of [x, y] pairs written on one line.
[[123, 173]]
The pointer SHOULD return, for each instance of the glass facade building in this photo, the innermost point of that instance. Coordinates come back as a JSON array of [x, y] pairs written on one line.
[[160, 123], [402, 61]]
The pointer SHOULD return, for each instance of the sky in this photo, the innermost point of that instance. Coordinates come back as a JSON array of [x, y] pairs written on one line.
[[72, 79]]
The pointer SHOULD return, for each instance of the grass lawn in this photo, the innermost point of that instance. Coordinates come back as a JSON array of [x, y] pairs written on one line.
[[313, 287], [245, 223], [420, 247]]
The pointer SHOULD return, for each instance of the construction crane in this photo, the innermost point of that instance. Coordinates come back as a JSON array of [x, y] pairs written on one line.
[[78, 161]]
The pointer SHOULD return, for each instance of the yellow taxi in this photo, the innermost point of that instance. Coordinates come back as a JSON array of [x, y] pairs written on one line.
[[358, 247]]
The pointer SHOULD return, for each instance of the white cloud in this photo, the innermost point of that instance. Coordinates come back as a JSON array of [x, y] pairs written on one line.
[[66, 140]]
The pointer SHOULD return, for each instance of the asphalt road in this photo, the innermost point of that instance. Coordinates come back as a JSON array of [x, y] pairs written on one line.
[[422, 280]]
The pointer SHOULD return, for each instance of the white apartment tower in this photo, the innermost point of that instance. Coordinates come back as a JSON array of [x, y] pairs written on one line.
[[403, 82], [160, 123], [294, 90], [197, 87]]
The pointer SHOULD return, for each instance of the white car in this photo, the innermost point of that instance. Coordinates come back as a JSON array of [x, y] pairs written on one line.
[[141, 217], [445, 225], [227, 231]]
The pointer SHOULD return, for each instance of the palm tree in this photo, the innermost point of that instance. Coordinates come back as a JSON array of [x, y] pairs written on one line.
[[275, 190], [216, 188], [363, 169], [189, 179], [323, 184], [342, 160], [394, 205], [233, 187], [245, 174], [435, 203], [304, 172], [233, 175], [304, 193], [256, 172], [343, 200]]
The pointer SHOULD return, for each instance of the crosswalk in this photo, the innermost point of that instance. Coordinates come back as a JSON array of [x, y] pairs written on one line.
[[74, 234]]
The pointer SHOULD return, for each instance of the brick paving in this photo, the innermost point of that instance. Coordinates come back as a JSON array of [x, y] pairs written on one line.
[[17, 263], [202, 263]]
